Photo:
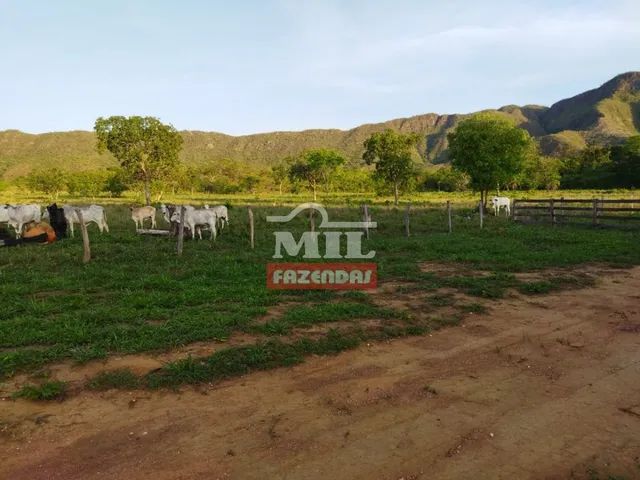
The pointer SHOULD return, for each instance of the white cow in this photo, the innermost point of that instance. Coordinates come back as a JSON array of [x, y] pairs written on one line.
[[92, 213], [167, 210], [4, 213], [499, 202], [221, 212], [139, 215], [20, 215], [196, 218]]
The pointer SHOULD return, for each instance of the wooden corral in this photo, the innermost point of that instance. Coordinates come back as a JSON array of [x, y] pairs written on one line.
[[596, 212]]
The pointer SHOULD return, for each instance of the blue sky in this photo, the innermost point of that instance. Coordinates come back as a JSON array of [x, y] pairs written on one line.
[[253, 66]]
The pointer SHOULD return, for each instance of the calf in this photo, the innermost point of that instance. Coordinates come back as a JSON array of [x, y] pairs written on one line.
[[499, 202], [139, 215], [194, 218], [19, 215], [92, 213]]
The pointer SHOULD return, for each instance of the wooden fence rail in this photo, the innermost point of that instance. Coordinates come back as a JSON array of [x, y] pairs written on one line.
[[565, 210]]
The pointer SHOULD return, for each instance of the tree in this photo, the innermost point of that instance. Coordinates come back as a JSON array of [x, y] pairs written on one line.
[[490, 149], [280, 172], [539, 173], [146, 148], [51, 181], [591, 167], [87, 184], [392, 155], [116, 183], [315, 167], [626, 162]]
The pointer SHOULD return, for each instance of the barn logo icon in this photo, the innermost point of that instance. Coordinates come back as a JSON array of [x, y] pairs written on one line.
[[336, 237]]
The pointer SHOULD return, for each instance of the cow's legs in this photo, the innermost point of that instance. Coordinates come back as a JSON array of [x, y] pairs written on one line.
[[153, 222]]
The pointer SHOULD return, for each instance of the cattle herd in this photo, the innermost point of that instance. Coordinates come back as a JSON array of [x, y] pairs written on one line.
[[195, 219]]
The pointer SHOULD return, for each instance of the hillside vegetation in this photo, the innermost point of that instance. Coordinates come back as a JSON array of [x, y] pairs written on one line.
[[607, 114]]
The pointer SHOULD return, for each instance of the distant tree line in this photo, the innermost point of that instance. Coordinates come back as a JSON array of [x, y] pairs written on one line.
[[488, 153]]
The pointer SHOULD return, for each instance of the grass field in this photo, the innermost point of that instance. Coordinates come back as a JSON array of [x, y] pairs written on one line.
[[137, 296]]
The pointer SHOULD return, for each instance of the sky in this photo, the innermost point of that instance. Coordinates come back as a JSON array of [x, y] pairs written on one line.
[[249, 66]]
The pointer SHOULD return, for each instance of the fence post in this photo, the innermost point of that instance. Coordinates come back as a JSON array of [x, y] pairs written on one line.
[[595, 211], [449, 215], [366, 218], [312, 219], [481, 206], [86, 248], [181, 232], [406, 221], [553, 212], [252, 231]]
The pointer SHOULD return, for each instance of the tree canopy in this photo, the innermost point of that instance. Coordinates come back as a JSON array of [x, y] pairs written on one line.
[[315, 167], [392, 154], [491, 150], [146, 148]]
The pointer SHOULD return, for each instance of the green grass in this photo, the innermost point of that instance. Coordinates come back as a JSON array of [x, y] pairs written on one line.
[[46, 391], [121, 378], [137, 296]]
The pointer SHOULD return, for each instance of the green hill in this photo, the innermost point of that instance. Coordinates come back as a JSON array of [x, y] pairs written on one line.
[[608, 114]]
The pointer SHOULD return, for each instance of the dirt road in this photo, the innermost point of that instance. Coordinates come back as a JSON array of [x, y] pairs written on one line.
[[540, 387]]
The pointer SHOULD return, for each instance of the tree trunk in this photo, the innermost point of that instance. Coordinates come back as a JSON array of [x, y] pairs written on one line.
[[315, 195], [147, 192], [395, 193], [482, 197]]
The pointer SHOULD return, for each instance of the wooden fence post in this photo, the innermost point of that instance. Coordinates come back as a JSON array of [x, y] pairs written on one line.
[[181, 231], [481, 214], [252, 231], [449, 215], [407, 231], [595, 211], [86, 248], [366, 219], [553, 212], [312, 219]]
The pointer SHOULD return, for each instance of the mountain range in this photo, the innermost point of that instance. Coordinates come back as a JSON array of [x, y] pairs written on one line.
[[607, 114]]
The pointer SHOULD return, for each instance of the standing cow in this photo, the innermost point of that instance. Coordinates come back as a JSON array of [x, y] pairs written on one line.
[[196, 218], [499, 202], [4, 213], [92, 213], [140, 214], [221, 212], [20, 215]]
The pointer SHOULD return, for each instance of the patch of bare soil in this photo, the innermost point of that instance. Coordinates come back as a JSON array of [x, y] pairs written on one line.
[[544, 389], [443, 269]]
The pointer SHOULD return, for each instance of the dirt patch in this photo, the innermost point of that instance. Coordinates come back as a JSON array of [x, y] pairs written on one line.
[[451, 269], [544, 389]]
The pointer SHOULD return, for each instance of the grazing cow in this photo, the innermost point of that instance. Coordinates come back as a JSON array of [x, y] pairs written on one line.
[[221, 212], [194, 218], [139, 215], [499, 202], [20, 215], [92, 213]]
